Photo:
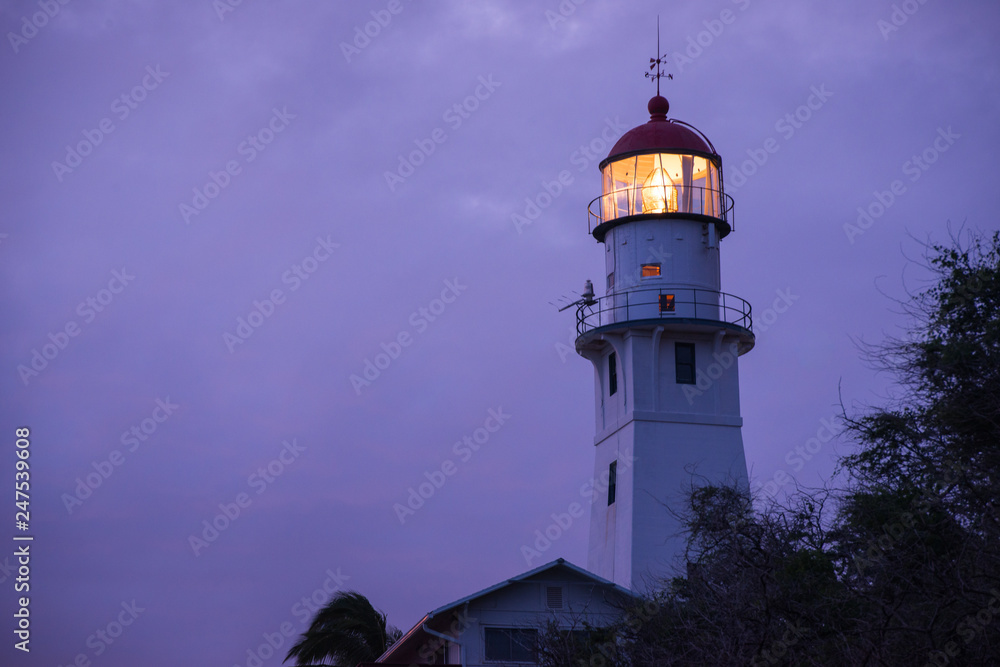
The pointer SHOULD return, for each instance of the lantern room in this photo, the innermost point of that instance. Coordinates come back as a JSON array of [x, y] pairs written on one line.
[[665, 168]]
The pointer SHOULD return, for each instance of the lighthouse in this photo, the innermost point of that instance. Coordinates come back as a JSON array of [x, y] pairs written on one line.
[[665, 341]]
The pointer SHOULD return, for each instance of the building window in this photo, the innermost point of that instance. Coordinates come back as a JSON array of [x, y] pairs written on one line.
[[650, 270], [611, 280], [612, 481], [510, 644], [554, 597], [684, 362], [612, 374], [666, 303]]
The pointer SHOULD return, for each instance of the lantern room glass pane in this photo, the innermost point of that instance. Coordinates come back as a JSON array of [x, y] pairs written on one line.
[[619, 185], [660, 183]]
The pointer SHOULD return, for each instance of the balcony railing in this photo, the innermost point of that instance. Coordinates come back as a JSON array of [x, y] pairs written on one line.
[[690, 199], [664, 304]]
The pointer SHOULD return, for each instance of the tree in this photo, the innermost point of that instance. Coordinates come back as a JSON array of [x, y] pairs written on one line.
[[346, 631], [560, 646], [761, 588], [948, 423], [920, 520]]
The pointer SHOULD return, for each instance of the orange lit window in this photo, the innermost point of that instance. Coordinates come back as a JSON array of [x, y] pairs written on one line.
[[650, 270], [666, 303]]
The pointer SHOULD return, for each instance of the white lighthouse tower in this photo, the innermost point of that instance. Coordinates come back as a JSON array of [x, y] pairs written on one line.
[[664, 341]]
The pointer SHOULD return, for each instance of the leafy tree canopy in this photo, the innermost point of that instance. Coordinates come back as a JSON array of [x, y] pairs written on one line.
[[346, 631]]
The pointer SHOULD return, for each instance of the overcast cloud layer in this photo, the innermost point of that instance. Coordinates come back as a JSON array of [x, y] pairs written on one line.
[[200, 246]]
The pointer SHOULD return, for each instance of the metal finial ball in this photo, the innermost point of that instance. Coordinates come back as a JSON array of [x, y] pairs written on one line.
[[658, 107]]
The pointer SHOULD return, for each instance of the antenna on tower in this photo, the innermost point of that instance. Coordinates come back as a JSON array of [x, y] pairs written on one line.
[[657, 62], [586, 299]]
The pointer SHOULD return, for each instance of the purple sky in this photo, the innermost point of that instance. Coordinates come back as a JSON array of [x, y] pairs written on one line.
[[197, 86]]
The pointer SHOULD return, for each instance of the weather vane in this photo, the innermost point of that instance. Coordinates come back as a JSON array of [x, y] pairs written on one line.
[[656, 63]]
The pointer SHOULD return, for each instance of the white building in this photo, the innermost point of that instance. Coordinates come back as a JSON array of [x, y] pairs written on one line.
[[500, 624]]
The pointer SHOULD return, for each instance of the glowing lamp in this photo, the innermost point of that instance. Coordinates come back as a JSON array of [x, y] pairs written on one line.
[[658, 193]]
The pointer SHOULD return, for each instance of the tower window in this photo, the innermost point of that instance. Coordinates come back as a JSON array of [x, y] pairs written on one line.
[[684, 362], [611, 280], [666, 303], [612, 374], [612, 481], [650, 270]]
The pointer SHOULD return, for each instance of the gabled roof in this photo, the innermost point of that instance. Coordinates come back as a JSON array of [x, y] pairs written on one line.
[[558, 563]]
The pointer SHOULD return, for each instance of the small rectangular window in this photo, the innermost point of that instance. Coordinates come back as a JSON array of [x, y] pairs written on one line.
[[666, 303], [611, 280], [684, 362], [612, 482], [612, 374], [650, 270]]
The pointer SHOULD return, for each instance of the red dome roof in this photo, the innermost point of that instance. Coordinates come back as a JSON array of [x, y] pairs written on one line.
[[661, 134]]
